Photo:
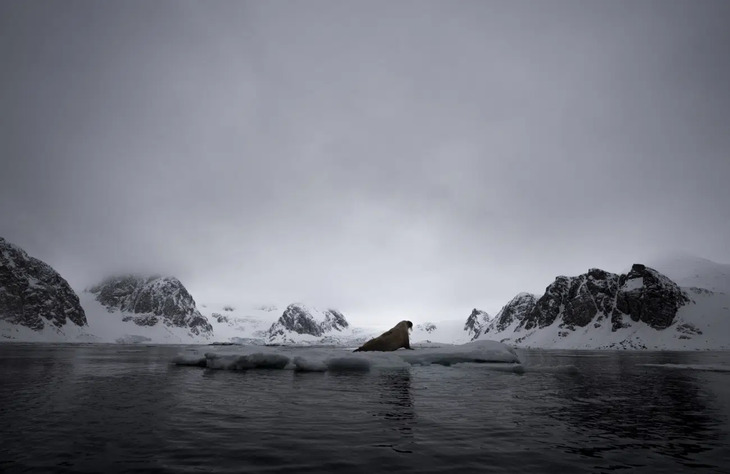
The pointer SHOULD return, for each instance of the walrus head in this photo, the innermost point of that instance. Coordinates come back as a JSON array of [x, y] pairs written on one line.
[[410, 325]]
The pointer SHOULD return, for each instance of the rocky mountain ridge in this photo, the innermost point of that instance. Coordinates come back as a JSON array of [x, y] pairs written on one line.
[[301, 320], [33, 294], [594, 302], [149, 300], [476, 323]]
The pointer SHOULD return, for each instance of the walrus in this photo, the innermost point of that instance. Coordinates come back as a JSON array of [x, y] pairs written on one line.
[[390, 340]]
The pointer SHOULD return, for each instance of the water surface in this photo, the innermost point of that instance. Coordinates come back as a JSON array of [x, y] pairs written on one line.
[[111, 408]]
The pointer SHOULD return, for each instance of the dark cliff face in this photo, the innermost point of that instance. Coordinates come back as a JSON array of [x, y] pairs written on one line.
[[578, 299], [518, 307], [154, 298], [33, 294], [643, 294], [299, 319], [647, 295]]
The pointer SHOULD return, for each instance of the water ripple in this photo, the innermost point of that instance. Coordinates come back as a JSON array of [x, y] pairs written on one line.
[[111, 409]]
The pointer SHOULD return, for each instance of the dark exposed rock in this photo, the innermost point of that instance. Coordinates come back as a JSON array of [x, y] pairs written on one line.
[[518, 307], [32, 293], [301, 320], [549, 305], [220, 318], [151, 299], [647, 295], [643, 295], [427, 327], [577, 299], [690, 329], [476, 323]]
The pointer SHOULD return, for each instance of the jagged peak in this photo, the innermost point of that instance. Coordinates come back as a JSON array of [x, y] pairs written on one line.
[[304, 319], [520, 297]]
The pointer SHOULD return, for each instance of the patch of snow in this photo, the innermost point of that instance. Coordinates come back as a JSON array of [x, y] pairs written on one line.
[[633, 284], [447, 332], [70, 332], [691, 271]]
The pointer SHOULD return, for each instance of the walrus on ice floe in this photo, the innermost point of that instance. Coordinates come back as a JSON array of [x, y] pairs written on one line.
[[390, 340]]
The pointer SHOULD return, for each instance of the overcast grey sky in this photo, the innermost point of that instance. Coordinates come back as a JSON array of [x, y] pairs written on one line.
[[391, 159]]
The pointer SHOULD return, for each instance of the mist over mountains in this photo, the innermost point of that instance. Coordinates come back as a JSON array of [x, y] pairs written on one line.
[[640, 309]]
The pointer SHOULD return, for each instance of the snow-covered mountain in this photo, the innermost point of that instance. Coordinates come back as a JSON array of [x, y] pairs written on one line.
[[241, 324], [248, 327], [642, 309], [138, 308], [476, 323], [689, 271], [301, 324], [296, 323], [511, 314], [36, 303], [303, 320]]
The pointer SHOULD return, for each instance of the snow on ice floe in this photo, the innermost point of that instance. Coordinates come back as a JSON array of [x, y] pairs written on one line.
[[340, 359]]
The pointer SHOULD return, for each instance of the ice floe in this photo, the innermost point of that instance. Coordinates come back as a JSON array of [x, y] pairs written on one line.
[[309, 359]]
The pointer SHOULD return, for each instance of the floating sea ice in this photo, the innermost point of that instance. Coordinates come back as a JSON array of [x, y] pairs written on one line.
[[476, 351], [246, 362], [338, 359], [193, 360], [302, 364]]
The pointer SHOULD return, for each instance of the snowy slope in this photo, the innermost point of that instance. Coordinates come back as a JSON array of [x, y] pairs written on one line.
[[152, 300], [240, 325], [445, 332], [68, 332], [476, 323], [690, 271], [108, 326], [278, 324], [701, 322], [303, 324]]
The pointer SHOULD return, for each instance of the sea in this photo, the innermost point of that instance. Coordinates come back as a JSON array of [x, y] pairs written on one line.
[[67, 408]]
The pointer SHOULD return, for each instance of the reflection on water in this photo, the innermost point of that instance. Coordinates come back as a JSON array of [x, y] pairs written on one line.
[[395, 405], [659, 410], [394, 391], [637, 416], [111, 408]]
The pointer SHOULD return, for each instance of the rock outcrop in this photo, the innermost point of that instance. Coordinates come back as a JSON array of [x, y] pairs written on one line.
[[476, 323], [149, 300], [513, 312], [303, 320], [647, 295], [33, 294], [597, 297], [426, 327]]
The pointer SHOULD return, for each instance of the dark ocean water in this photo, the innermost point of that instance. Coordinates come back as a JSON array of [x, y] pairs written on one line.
[[109, 408]]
